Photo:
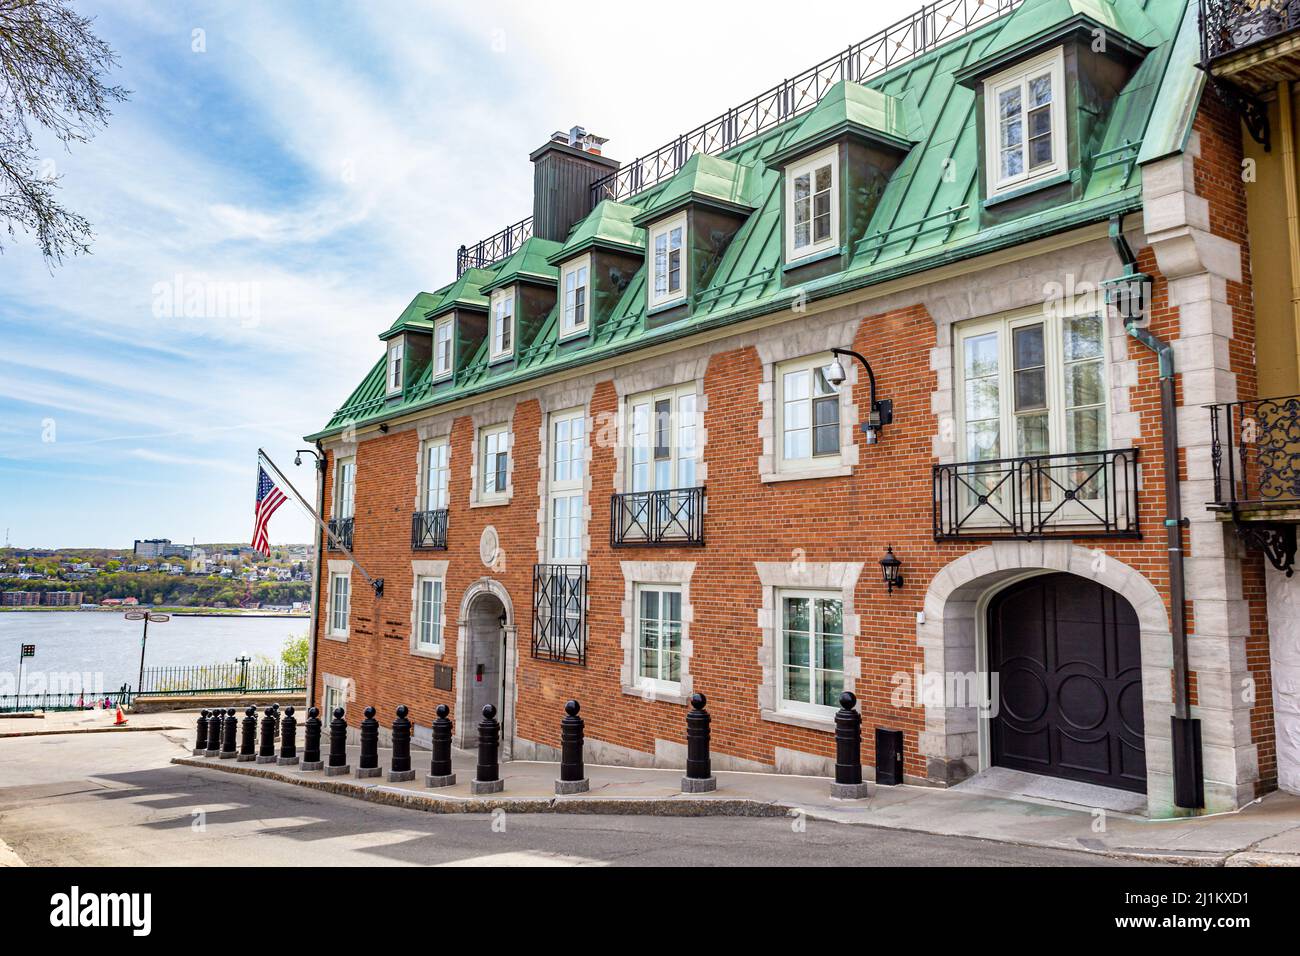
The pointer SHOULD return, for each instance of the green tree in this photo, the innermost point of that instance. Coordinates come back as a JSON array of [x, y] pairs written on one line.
[[295, 650]]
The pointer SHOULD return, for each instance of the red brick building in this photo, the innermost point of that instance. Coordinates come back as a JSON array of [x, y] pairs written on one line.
[[618, 460]]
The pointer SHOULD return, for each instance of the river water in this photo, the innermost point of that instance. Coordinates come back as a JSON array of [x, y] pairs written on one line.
[[99, 651]]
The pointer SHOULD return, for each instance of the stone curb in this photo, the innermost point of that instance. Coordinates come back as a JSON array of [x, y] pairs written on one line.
[[638, 806], [1261, 858], [4, 735], [8, 857]]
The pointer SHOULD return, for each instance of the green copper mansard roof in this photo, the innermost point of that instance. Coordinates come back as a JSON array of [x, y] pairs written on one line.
[[609, 226], [852, 107], [927, 216], [527, 263]]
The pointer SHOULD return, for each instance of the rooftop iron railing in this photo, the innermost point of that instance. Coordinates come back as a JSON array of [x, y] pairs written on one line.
[[898, 43], [494, 248]]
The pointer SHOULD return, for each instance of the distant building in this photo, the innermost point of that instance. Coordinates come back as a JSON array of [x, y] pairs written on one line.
[[160, 548], [62, 598], [20, 598]]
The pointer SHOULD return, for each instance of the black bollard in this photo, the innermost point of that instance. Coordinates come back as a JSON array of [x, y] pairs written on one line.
[[573, 776], [266, 746], [401, 765], [230, 736], [248, 738], [699, 774], [440, 773], [368, 762], [487, 776], [275, 712], [338, 765], [288, 739], [311, 741], [201, 735], [848, 783], [215, 726]]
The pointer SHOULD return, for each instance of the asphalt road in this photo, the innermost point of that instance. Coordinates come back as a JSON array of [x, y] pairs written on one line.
[[115, 800]]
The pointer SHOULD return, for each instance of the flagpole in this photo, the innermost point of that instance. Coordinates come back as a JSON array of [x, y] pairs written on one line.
[[376, 583]]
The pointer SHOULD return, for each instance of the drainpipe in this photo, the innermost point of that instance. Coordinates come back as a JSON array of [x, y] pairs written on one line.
[[315, 582], [1287, 135], [1189, 776]]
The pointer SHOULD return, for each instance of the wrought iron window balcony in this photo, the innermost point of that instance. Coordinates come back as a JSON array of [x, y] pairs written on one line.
[[672, 518], [1228, 26], [341, 529], [1255, 451], [1090, 494], [429, 530], [560, 613]]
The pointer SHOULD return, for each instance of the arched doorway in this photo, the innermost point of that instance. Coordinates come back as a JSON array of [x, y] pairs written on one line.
[[1067, 655], [485, 673]]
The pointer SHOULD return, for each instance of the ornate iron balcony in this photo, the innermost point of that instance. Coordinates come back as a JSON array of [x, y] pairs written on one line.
[[1255, 451], [341, 528], [429, 530], [494, 248], [1078, 495], [1231, 25], [672, 518], [560, 613]]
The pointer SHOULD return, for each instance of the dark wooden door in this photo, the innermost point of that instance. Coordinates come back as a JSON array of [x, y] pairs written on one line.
[[1066, 653]]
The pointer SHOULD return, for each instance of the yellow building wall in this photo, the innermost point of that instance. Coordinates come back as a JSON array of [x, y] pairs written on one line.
[[1266, 217]]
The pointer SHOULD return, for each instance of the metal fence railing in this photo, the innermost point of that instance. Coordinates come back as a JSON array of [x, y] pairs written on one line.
[[236, 678], [68, 700]]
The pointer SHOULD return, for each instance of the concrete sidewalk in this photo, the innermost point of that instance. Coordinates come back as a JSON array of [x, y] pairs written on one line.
[[1265, 833], [89, 722]]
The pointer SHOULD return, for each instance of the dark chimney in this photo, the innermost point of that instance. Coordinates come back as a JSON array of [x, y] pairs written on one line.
[[563, 171]]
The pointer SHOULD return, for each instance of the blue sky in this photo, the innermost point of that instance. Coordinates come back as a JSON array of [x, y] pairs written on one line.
[[317, 163]]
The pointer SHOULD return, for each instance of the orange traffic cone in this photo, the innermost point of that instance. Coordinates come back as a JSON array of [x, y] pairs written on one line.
[[120, 721]]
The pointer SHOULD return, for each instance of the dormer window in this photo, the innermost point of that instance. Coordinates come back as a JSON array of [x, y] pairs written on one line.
[[575, 287], [503, 323], [1025, 123], [395, 367], [667, 259], [442, 348], [812, 205]]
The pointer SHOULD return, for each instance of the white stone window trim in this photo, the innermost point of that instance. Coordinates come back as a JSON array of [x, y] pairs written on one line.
[[575, 268], [809, 340], [438, 371], [341, 689], [651, 573], [431, 430], [840, 577], [338, 568], [479, 498], [550, 488], [676, 373], [499, 299], [424, 571], [816, 464], [422, 497], [810, 165], [665, 227], [567, 397], [1052, 62]]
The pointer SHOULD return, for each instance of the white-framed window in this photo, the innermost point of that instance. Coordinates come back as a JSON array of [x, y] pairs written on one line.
[[437, 473], [658, 630], [1032, 384], [340, 603], [575, 292], [429, 613], [667, 261], [807, 415], [345, 488], [335, 697], [811, 625], [442, 346], [395, 352], [503, 322], [662, 447], [812, 214], [1024, 111], [494, 461], [568, 469]]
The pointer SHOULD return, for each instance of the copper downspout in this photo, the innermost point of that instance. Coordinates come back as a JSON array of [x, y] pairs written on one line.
[[1287, 135]]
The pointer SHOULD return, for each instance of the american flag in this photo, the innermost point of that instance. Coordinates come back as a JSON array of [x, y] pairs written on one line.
[[269, 497]]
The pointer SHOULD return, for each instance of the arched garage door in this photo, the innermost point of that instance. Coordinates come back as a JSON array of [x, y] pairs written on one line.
[[1067, 654]]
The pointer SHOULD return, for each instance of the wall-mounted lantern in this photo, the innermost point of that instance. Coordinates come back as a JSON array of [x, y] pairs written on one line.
[[892, 568], [882, 410]]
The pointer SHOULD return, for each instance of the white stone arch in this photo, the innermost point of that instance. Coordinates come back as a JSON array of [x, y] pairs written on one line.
[[951, 636], [492, 587]]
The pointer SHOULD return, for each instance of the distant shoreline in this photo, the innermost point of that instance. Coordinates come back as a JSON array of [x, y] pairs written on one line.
[[174, 612]]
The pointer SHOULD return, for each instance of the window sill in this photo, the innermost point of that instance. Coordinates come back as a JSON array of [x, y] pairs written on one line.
[[431, 654], [491, 503], [811, 257], [807, 721], [665, 306], [807, 474], [574, 335], [442, 377], [498, 359], [652, 696], [331, 636], [1024, 189]]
